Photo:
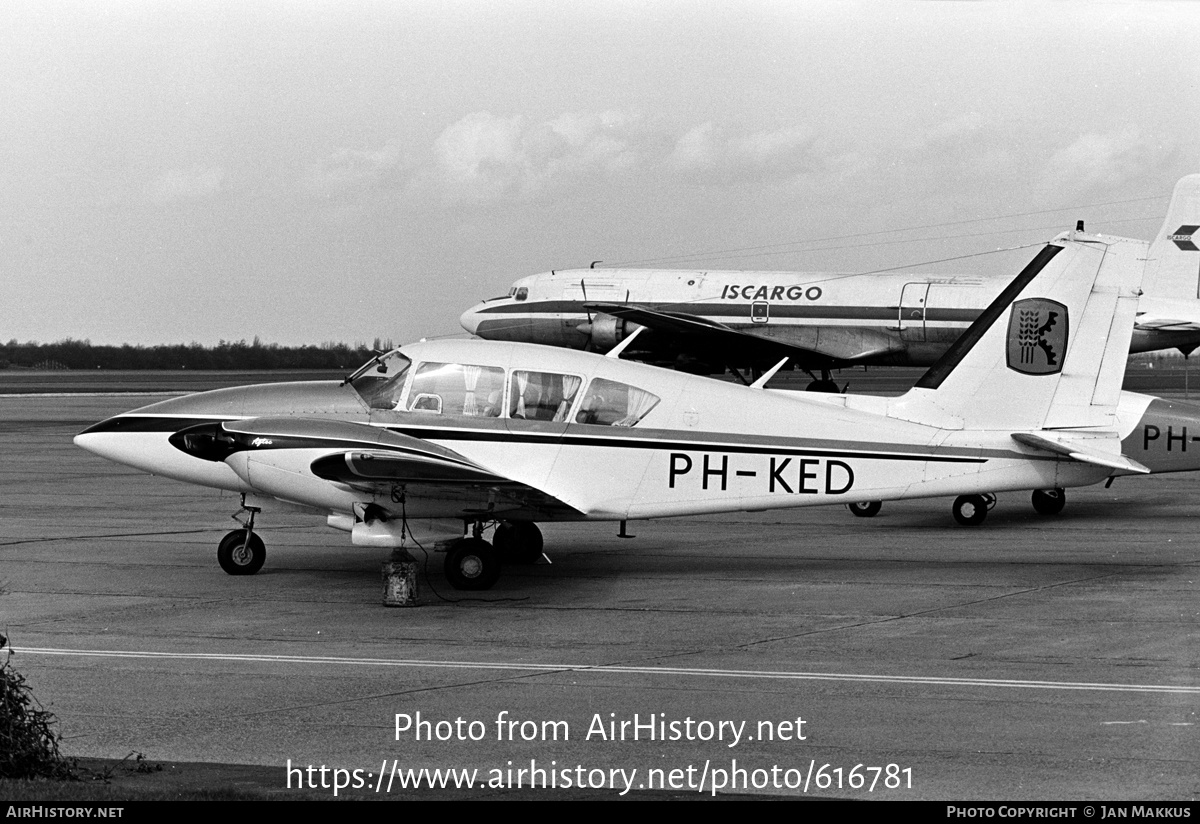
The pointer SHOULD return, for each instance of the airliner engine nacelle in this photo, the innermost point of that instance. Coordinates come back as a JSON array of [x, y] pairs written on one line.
[[605, 331]]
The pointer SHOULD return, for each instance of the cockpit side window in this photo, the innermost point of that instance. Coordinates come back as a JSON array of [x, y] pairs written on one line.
[[522, 293], [457, 389], [542, 396], [608, 403], [380, 386]]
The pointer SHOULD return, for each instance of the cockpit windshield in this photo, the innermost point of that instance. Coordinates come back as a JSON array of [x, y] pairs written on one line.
[[381, 380]]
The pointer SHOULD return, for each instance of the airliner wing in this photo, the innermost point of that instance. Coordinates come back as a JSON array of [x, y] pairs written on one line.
[[705, 334]]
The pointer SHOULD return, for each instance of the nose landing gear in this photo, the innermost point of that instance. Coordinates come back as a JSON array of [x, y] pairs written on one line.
[[241, 552]]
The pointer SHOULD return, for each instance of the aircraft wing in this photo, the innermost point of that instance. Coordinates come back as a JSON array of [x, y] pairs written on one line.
[[370, 459], [1075, 445], [706, 334]]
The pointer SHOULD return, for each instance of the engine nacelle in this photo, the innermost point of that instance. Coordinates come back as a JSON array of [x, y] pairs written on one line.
[[608, 331]]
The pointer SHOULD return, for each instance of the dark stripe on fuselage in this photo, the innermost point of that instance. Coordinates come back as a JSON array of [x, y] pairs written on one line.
[[713, 309], [649, 441], [658, 440], [141, 423]]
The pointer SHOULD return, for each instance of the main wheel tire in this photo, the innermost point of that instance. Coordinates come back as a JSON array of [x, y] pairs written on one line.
[[472, 564], [865, 509], [1049, 501], [518, 542], [823, 386], [239, 555], [970, 510]]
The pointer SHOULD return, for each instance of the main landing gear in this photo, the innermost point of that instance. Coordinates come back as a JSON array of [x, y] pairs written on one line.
[[823, 384], [972, 510], [474, 564], [518, 542], [241, 552]]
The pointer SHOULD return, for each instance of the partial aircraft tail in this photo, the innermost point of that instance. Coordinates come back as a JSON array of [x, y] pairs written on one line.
[[1173, 268], [1048, 353]]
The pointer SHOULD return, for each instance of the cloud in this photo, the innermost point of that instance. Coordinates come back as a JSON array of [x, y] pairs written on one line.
[[709, 153], [351, 170], [485, 159], [1108, 160], [195, 183]]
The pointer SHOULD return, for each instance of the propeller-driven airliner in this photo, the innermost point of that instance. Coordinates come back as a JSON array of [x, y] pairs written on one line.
[[496, 437], [708, 321]]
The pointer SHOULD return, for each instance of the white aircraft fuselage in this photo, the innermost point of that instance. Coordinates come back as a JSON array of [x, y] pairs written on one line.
[[485, 433], [823, 320]]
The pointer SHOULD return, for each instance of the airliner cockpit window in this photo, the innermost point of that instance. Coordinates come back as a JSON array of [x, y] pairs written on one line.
[[522, 293], [608, 403], [381, 380], [457, 389], [542, 396]]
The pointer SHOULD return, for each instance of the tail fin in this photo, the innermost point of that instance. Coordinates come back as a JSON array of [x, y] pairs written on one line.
[[1173, 270], [1048, 353]]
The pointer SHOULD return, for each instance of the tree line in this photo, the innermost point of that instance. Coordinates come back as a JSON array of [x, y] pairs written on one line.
[[82, 354]]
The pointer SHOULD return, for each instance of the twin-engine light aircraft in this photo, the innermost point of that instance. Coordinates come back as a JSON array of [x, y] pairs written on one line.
[[706, 321], [507, 435]]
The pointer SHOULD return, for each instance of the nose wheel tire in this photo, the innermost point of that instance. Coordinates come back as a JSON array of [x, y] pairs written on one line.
[[241, 552], [1049, 501], [970, 510], [865, 509], [472, 564]]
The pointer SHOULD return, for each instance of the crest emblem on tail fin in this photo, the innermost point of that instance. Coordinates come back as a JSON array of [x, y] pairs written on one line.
[[1037, 336]]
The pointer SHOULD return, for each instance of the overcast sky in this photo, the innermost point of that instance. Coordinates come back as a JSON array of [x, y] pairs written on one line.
[[340, 170]]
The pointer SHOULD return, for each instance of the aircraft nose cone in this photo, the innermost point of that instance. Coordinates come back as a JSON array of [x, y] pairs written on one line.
[[470, 319], [107, 444]]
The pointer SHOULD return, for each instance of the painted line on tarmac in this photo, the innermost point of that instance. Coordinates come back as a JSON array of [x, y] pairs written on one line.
[[308, 660], [171, 392]]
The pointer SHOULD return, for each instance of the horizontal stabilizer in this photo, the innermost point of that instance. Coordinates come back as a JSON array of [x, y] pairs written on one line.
[[1073, 446], [1164, 315]]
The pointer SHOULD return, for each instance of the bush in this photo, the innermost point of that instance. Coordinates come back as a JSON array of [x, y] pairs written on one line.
[[28, 740]]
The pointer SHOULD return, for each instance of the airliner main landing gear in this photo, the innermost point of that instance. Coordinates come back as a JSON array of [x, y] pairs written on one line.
[[241, 552], [823, 384]]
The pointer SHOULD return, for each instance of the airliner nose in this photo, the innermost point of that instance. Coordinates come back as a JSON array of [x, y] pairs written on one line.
[[470, 319]]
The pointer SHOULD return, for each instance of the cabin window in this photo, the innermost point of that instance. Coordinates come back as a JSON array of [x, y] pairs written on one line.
[[457, 389], [542, 396], [381, 385], [608, 403]]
